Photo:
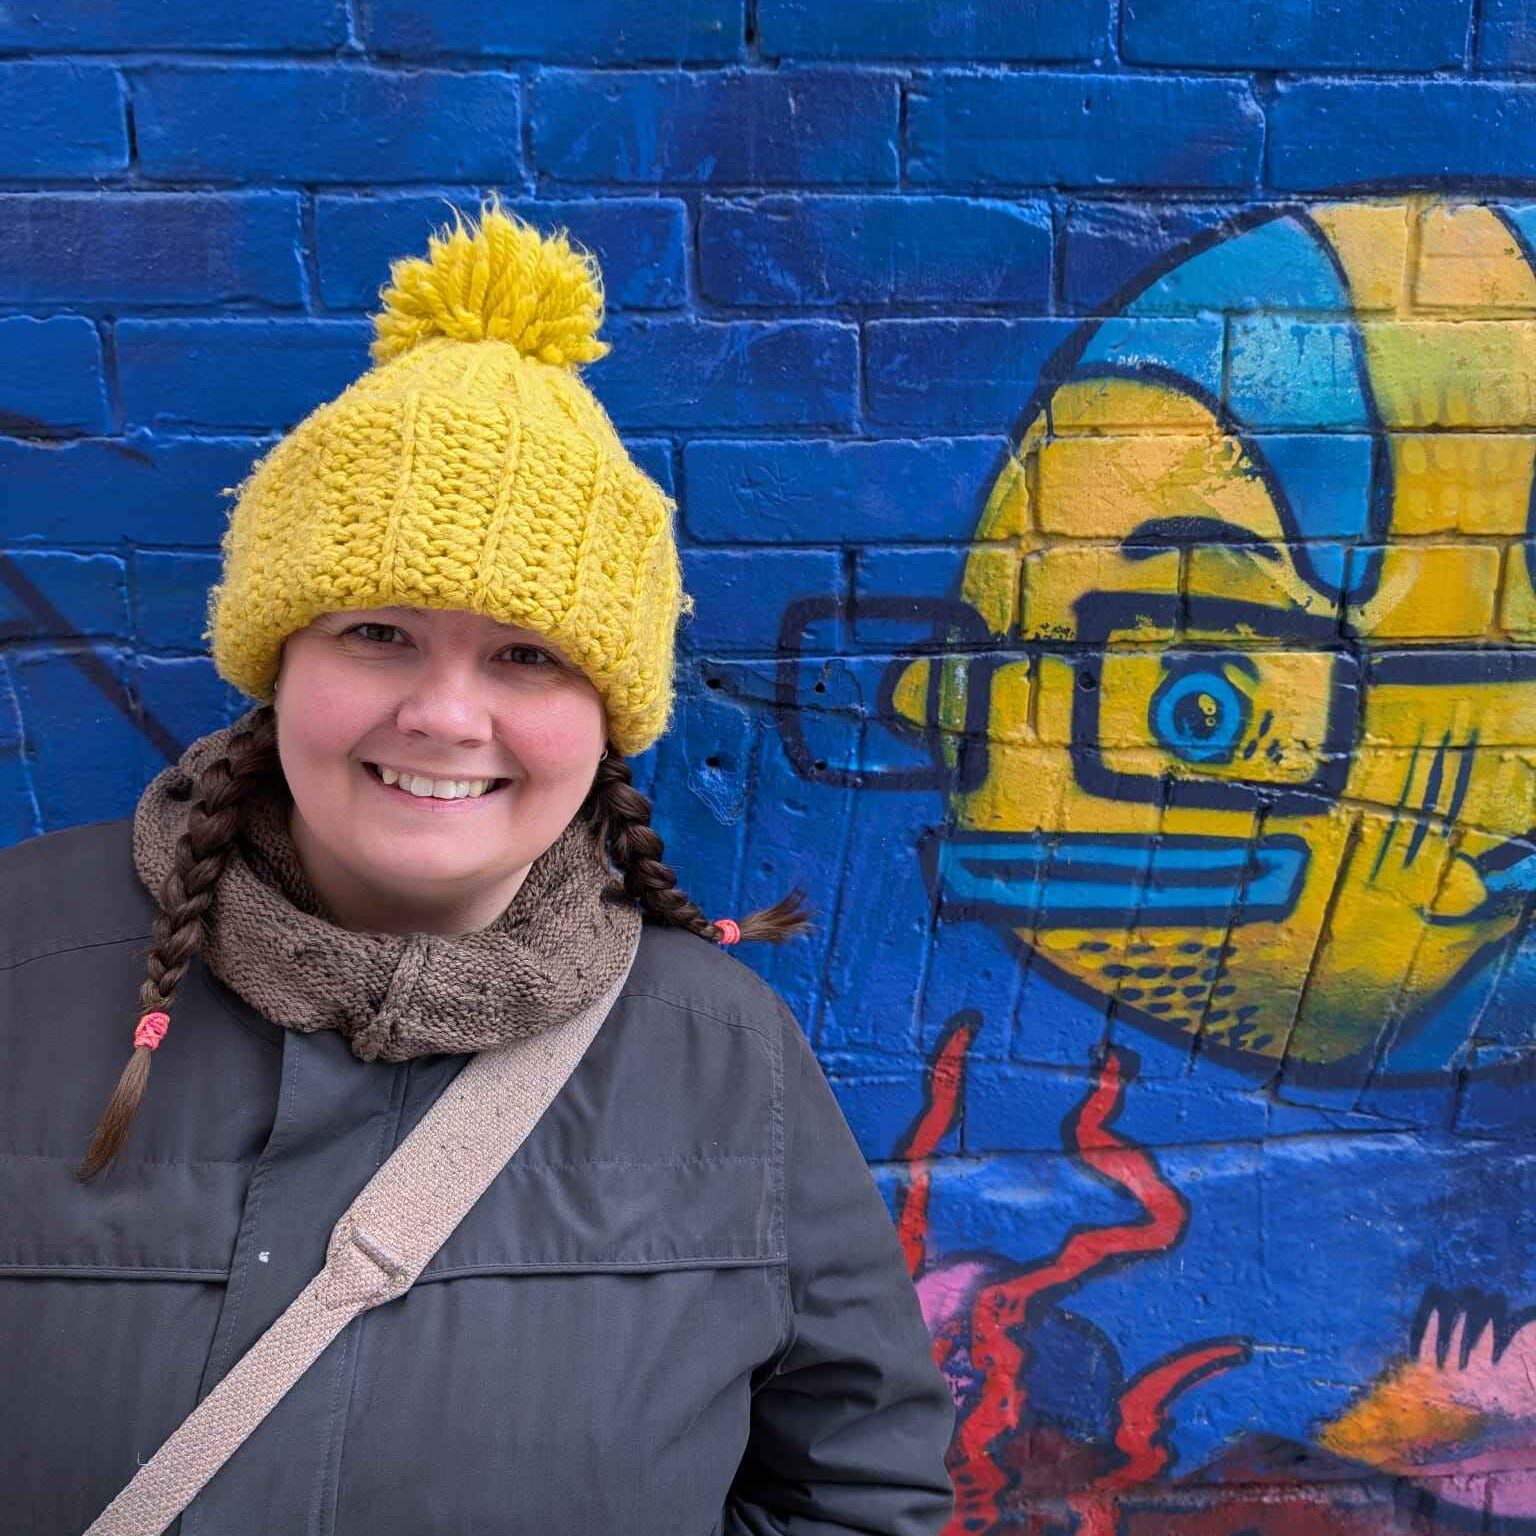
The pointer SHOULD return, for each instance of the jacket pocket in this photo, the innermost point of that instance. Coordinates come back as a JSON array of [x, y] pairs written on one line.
[[147, 1220], [619, 1214]]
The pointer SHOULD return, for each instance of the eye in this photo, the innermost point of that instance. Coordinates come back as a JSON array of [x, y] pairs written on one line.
[[1200, 715], [355, 629], [532, 650]]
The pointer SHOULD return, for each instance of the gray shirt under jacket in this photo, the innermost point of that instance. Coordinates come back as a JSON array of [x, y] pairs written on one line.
[[680, 1310]]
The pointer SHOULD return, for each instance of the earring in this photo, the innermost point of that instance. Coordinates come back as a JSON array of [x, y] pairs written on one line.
[[603, 754]]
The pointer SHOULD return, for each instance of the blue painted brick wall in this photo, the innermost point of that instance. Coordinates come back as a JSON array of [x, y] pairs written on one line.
[[845, 245]]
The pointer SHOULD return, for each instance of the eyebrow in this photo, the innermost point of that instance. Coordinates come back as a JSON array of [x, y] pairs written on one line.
[[1150, 538]]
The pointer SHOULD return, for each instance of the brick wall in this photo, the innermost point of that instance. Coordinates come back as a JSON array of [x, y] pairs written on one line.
[[1104, 436]]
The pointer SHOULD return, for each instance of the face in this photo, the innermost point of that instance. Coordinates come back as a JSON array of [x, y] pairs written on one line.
[[440, 695]]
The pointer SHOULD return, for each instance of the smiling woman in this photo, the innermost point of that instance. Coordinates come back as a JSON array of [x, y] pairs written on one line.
[[472, 1151], [436, 698]]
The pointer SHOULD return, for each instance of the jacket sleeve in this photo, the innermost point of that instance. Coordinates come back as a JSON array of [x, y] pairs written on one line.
[[851, 1420]]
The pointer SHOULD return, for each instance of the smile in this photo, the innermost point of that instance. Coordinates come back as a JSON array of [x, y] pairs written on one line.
[[1083, 880], [436, 794]]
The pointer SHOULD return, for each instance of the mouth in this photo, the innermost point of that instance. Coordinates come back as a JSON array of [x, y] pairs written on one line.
[[1082, 880], [459, 803]]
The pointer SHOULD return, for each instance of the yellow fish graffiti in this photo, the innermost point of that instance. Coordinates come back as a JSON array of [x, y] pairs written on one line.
[[1237, 705]]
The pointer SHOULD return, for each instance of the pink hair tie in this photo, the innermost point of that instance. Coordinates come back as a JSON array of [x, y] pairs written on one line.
[[730, 930], [151, 1030]]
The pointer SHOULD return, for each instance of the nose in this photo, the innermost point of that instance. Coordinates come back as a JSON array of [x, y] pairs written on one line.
[[445, 700]]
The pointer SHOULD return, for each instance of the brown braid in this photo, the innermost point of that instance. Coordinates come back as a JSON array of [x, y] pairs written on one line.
[[623, 817], [185, 895]]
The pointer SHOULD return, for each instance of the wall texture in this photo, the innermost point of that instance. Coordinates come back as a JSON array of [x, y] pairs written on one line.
[[1104, 432]]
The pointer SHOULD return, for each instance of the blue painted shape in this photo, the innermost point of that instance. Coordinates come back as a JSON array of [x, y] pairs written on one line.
[[728, 127], [1501, 1103], [639, 242], [56, 595], [1440, 1039], [699, 816], [1108, 245], [62, 119], [793, 835], [298, 26], [887, 572], [1325, 478], [1279, 264], [1200, 714], [653, 456], [170, 593], [1506, 36], [51, 378], [1523, 217], [695, 373], [971, 966], [880, 1112], [965, 375], [1096, 880], [740, 595], [90, 248], [252, 374], [881, 930], [962, 30], [86, 752], [186, 696], [1297, 34], [326, 123], [577, 31], [1506, 1018], [1324, 134], [1285, 372], [19, 816], [875, 250], [818, 491], [139, 489], [1189, 349], [1038, 129], [1022, 1107]]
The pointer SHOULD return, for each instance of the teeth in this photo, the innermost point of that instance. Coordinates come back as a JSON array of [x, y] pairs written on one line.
[[435, 789]]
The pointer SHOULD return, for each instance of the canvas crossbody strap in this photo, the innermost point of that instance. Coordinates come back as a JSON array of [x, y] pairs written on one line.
[[377, 1249]]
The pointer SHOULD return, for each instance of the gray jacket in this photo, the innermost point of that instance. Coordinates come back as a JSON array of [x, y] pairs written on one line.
[[680, 1310]]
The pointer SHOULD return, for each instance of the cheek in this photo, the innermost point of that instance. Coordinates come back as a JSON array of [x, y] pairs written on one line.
[[558, 738], [320, 720]]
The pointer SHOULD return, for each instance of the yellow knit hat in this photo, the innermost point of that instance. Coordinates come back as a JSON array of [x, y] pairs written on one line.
[[469, 468]]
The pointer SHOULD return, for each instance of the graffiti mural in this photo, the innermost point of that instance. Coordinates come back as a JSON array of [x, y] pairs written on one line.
[[1233, 715]]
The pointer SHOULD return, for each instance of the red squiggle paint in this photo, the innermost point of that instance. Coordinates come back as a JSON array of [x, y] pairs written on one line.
[[946, 1077], [1141, 1424], [979, 1480]]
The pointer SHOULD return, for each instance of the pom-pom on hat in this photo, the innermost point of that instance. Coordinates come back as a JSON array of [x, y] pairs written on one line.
[[469, 468]]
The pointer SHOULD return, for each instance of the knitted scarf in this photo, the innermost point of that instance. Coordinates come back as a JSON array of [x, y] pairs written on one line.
[[556, 947]]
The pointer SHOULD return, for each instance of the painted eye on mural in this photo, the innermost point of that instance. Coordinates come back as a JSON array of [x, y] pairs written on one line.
[[1200, 714]]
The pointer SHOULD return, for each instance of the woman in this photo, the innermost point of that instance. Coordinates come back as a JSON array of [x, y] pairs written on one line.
[[681, 1306]]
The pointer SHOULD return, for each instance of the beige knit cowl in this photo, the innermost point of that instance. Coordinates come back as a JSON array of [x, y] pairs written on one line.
[[556, 947]]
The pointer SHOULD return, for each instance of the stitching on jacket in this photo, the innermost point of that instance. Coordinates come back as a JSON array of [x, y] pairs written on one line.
[[686, 1006], [702, 1160], [788, 1322], [71, 946], [135, 1162], [122, 1271], [619, 1264]]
